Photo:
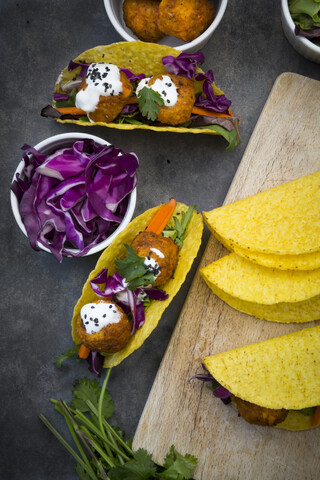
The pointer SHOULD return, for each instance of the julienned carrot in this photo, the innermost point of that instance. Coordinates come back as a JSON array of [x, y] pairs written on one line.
[[72, 110], [162, 217], [83, 351], [208, 113], [316, 417]]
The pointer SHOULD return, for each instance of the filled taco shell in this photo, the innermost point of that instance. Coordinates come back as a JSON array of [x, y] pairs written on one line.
[[117, 249], [282, 372], [138, 57]]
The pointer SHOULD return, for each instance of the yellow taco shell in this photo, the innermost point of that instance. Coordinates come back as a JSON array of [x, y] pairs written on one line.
[[267, 293], [117, 249], [138, 57], [282, 372], [303, 261], [283, 220]]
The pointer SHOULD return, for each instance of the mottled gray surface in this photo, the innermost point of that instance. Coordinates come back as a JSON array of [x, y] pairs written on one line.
[[38, 38]]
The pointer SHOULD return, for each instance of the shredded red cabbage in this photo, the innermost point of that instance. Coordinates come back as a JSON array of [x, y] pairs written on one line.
[[75, 197], [95, 361], [84, 67], [60, 96], [221, 392], [132, 77], [186, 64], [115, 285], [218, 390]]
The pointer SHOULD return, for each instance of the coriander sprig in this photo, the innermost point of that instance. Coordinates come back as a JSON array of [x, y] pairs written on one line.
[[102, 450]]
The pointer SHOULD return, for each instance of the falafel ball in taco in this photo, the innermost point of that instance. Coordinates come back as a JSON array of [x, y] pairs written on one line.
[[131, 85], [275, 382], [135, 279]]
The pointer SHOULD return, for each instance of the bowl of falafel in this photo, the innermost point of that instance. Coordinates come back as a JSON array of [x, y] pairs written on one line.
[[183, 24]]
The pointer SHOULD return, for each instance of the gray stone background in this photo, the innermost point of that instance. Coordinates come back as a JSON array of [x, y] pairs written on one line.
[[38, 38]]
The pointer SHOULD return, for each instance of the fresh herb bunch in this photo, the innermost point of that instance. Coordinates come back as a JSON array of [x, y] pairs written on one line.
[[109, 455]]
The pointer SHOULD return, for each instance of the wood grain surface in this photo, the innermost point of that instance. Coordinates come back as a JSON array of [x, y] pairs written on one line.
[[284, 146]]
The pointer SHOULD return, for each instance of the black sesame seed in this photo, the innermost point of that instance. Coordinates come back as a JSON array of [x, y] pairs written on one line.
[[92, 306], [110, 306], [104, 316], [87, 323], [85, 316]]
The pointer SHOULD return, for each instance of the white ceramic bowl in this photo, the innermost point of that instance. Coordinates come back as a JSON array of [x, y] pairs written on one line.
[[60, 141], [304, 46], [114, 11]]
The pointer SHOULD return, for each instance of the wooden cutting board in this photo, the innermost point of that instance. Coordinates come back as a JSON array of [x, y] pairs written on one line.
[[284, 146]]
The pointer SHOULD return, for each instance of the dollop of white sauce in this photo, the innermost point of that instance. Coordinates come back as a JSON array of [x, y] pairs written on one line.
[[102, 79], [157, 252], [165, 87], [95, 316]]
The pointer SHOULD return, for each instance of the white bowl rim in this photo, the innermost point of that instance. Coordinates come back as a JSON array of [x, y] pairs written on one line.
[[304, 41], [76, 136], [185, 46]]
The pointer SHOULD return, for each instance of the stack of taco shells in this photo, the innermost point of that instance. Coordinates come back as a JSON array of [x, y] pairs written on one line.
[[273, 270]]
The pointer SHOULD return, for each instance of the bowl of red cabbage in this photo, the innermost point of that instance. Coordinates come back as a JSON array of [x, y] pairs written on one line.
[[301, 25], [73, 193]]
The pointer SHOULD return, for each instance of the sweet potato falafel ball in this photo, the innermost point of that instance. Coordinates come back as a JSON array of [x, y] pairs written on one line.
[[110, 106], [185, 19], [254, 414], [181, 111], [103, 326], [141, 16], [161, 249]]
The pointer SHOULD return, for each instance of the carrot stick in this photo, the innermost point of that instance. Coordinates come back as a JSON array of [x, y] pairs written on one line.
[[83, 351], [316, 417], [208, 113], [162, 217], [72, 110], [126, 92]]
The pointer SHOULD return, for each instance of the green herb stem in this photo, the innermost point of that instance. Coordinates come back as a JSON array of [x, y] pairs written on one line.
[[103, 390], [86, 434], [112, 433], [68, 447]]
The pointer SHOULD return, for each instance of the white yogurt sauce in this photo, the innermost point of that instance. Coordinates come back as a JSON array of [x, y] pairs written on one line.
[[95, 316], [165, 87], [102, 79], [157, 252]]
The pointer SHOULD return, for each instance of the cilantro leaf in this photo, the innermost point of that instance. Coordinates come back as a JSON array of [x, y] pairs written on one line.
[[64, 356], [141, 467], [86, 389], [149, 101], [178, 467], [133, 270]]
